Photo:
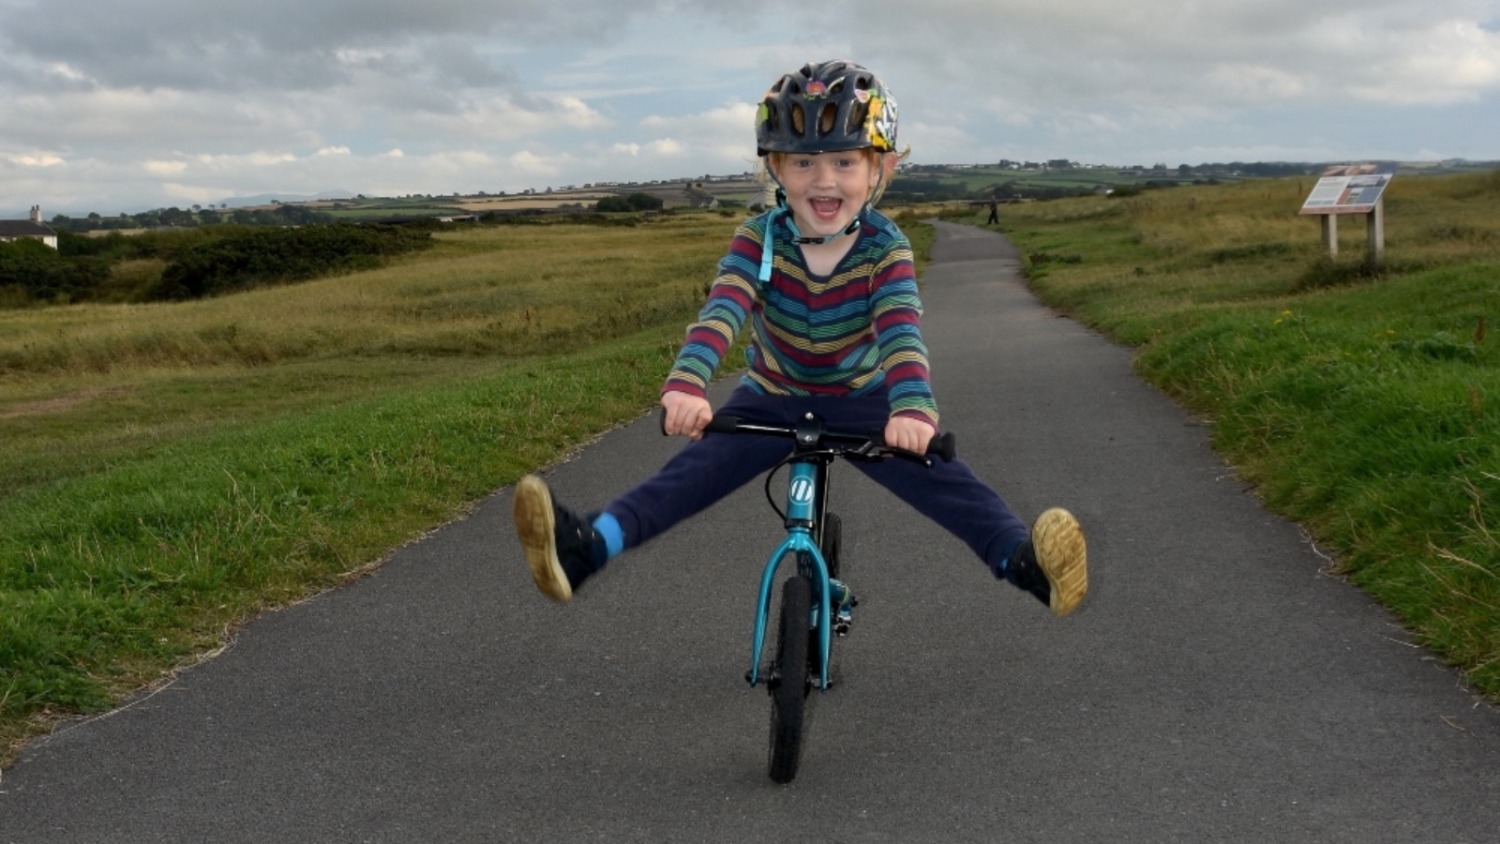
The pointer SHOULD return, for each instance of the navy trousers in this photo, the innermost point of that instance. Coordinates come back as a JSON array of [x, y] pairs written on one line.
[[707, 470]]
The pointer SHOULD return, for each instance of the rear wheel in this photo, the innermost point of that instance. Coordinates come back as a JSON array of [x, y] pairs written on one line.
[[790, 684]]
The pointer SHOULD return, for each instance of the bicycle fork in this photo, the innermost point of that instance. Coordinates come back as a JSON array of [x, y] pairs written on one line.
[[802, 493]]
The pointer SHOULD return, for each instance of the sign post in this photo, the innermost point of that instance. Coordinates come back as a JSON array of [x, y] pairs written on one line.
[[1351, 189]]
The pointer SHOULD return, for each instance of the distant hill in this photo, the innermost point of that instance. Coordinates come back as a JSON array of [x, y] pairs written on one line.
[[918, 183], [268, 198]]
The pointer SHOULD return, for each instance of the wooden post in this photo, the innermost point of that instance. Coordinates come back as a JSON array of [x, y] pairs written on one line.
[[1331, 233], [1375, 231]]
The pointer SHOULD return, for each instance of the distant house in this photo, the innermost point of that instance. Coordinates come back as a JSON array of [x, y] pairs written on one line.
[[697, 197], [34, 229]]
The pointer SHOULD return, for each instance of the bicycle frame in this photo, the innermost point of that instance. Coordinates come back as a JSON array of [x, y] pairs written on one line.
[[806, 497], [810, 466]]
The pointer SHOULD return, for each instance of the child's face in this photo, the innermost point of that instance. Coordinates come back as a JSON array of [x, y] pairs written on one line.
[[826, 190]]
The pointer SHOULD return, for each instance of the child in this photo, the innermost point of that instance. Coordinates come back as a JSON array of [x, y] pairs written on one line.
[[828, 288]]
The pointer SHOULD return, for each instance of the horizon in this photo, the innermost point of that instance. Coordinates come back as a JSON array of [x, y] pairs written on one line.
[[293, 197]]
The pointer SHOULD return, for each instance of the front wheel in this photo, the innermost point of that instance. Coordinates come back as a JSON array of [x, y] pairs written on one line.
[[790, 684]]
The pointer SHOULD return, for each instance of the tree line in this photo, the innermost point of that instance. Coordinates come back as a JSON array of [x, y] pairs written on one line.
[[191, 263], [174, 217]]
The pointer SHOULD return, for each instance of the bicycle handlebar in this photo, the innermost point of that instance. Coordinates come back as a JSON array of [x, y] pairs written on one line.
[[943, 446]]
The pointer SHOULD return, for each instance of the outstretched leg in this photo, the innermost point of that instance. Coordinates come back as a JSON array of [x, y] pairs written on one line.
[[1049, 560]]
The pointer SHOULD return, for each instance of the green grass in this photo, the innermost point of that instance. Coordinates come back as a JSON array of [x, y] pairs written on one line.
[[167, 545], [1363, 401]]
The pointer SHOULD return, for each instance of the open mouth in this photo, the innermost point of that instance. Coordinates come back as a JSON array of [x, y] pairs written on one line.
[[826, 209]]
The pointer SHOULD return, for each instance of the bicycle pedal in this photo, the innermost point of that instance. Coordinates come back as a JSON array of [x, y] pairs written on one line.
[[843, 619]]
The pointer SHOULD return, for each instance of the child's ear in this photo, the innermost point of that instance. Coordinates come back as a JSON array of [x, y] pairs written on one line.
[[888, 162]]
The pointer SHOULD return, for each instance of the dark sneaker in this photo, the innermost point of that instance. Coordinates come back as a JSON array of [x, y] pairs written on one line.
[[562, 548], [1053, 563]]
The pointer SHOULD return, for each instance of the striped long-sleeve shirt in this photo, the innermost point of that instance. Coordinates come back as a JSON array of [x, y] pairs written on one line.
[[847, 334]]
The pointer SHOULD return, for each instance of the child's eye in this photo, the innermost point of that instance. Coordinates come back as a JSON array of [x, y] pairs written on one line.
[[844, 163]]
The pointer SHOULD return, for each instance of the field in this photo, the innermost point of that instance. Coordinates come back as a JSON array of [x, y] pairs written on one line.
[[1025, 183], [172, 470], [503, 204], [740, 191]]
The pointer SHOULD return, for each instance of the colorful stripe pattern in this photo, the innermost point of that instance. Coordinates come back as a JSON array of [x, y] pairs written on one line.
[[845, 335]]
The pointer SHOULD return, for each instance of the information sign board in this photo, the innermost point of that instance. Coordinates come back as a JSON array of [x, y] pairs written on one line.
[[1349, 189]]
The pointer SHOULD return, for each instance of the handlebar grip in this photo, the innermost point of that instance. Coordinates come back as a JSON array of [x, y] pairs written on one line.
[[723, 424], [944, 446]]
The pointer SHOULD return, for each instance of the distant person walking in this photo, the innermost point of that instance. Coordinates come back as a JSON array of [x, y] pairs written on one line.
[[994, 213]]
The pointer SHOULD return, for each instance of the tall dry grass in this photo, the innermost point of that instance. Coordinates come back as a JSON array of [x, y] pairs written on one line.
[[501, 290]]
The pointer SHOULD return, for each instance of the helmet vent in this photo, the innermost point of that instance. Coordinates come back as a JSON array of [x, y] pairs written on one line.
[[773, 118], [828, 117], [857, 113]]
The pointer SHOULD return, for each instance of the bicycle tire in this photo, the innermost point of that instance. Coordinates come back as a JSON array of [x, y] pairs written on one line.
[[832, 544], [790, 682]]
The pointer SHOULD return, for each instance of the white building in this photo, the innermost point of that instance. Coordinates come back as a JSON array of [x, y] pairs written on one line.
[[34, 228]]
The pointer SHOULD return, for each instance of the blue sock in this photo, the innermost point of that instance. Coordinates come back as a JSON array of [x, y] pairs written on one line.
[[1003, 571], [614, 536]]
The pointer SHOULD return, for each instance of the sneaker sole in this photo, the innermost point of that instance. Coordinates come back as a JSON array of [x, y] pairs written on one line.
[[1062, 555], [532, 510]]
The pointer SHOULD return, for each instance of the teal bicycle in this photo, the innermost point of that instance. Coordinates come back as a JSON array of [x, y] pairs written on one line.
[[815, 605]]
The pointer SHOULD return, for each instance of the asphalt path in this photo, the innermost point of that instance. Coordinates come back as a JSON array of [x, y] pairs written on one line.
[[1218, 685]]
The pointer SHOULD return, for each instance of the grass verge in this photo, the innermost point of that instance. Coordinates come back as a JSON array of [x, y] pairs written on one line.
[[158, 554], [1359, 398]]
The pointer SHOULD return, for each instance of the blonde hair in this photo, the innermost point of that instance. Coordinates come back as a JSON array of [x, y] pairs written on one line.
[[768, 164]]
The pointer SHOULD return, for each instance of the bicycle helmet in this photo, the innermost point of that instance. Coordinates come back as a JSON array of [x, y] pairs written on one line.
[[826, 107]]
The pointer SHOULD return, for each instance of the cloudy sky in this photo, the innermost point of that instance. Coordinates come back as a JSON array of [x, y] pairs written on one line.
[[128, 105]]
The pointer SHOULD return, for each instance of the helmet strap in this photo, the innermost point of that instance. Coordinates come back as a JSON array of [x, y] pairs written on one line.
[[784, 210], [798, 238]]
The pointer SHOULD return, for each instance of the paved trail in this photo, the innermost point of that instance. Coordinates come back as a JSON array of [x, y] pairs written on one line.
[[1217, 686]]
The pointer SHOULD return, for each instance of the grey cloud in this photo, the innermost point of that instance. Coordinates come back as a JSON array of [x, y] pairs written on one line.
[[282, 44], [1094, 52], [114, 93]]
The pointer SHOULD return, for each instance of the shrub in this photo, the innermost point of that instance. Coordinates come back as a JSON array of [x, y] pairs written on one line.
[[260, 257], [31, 271], [633, 202]]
